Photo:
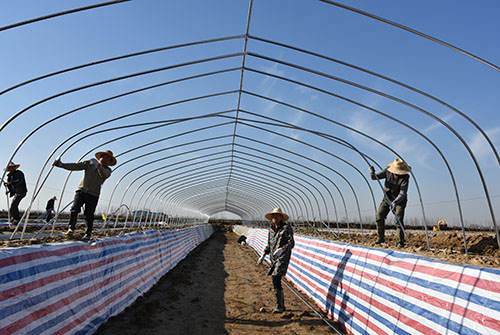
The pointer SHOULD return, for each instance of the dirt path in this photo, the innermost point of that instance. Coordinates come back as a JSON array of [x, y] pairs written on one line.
[[217, 290]]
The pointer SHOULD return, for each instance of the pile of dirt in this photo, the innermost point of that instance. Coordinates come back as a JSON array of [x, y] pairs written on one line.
[[57, 237], [447, 246]]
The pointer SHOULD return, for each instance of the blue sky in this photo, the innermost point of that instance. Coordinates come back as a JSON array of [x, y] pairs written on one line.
[[43, 47]]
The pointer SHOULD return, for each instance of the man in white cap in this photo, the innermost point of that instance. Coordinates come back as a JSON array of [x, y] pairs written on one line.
[[279, 247], [397, 177], [16, 188], [88, 191]]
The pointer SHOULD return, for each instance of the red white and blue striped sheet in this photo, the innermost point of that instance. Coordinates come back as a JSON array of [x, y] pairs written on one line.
[[378, 291], [72, 288]]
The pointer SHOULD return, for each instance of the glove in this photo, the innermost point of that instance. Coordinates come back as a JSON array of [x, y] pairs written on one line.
[[279, 252], [393, 206], [372, 169], [57, 163], [261, 259]]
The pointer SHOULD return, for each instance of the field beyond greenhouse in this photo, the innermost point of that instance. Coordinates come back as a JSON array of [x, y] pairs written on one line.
[[446, 245]]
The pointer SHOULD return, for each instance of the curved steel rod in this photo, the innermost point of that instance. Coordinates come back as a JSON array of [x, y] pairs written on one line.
[[102, 61], [273, 202], [413, 31], [183, 185], [412, 106], [250, 206], [199, 175], [346, 127], [163, 167], [391, 118], [224, 175], [20, 144], [341, 142], [291, 179], [171, 170], [241, 81], [298, 171], [162, 123], [298, 164], [92, 149], [380, 185], [392, 80], [169, 165], [302, 156], [107, 81], [203, 196], [66, 12], [143, 183]]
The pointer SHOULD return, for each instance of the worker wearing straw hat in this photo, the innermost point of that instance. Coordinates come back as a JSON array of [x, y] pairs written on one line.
[[16, 187], [88, 191], [396, 175], [279, 247]]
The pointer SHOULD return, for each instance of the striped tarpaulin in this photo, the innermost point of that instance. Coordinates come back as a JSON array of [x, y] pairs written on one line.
[[72, 288], [379, 291]]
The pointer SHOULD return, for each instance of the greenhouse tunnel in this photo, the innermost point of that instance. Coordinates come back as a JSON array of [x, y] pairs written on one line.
[[240, 117]]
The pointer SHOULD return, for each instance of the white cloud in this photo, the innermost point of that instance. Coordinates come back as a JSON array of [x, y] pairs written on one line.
[[481, 148], [436, 124], [388, 133]]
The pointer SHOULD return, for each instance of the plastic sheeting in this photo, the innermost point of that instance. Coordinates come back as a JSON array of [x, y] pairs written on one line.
[[379, 291], [72, 288]]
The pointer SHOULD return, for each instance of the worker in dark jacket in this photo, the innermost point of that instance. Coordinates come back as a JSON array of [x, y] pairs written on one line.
[[89, 189], [49, 208], [16, 188], [397, 177], [279, 247]]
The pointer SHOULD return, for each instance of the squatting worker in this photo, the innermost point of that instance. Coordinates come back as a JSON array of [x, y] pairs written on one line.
[[87, 193], [279, 247], [397, 177], [16, 189]]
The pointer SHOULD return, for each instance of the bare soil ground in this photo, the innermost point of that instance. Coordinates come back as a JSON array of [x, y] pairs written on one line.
[[218, 289], [447, 246]]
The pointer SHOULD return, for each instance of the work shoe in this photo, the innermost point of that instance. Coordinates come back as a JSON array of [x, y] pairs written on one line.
[[400, 245], [379, 241], [13, 224], [86, 237], [278, 309], [70, 232], [280, 301]]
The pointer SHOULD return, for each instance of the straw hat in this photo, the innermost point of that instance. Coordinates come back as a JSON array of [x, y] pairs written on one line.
[[12, 165], [99, 154], [398, 166], [269, 216]]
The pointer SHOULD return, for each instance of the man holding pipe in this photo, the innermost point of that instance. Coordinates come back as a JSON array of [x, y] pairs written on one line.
[[396, 175], [88, 191]]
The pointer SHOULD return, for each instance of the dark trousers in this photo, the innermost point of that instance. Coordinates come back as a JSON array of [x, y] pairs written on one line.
[[14, 207], [382, 212], [90, 202], [48, 214], [277, 283]]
